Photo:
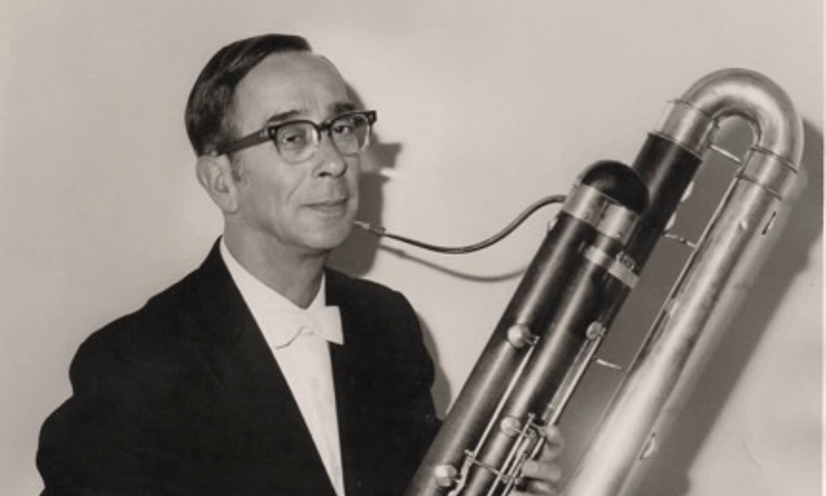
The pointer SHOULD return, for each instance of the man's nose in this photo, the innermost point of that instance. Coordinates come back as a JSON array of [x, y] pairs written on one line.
[[330, 161]]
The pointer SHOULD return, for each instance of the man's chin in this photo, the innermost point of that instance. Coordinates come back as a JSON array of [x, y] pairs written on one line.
[[330, 239]]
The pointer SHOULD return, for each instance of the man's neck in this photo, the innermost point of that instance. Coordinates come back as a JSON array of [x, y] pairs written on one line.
[[296, 276]]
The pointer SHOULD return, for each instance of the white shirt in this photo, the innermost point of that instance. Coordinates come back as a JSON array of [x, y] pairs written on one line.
[[304, 358]]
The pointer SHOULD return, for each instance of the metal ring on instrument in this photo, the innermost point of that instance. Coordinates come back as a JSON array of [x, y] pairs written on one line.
[[611, 265], [773, 173], [600, 211]]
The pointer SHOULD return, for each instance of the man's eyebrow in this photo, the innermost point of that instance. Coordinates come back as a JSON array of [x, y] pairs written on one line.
[[341, 107], [337, 108], [283, 116]]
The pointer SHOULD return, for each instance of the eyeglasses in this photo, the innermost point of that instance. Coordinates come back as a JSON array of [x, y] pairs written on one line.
[[298, 140]]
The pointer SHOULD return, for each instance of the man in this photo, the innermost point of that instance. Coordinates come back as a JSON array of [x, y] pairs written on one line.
[[261, 372]]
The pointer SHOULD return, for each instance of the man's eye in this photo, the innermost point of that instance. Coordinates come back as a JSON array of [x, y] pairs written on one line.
[[292, 137], [343, 127]]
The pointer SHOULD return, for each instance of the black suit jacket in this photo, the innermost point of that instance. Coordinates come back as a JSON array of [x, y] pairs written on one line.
[[184, 397]]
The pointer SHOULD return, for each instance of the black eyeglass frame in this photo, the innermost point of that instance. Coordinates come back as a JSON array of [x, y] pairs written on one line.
[[270, 131]]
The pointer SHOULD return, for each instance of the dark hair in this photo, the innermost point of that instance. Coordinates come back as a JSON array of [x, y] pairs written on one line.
[[210, 101]]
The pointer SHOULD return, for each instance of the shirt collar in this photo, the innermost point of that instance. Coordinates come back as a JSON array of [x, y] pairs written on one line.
[[279, 318]]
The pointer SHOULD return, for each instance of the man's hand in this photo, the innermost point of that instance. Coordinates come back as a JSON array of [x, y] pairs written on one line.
[[542, 476]]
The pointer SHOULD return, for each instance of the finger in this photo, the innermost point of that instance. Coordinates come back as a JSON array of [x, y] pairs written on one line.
[[541, 471], [554, 443]]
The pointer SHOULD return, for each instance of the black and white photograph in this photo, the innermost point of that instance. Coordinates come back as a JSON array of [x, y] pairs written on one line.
[[411, 248]]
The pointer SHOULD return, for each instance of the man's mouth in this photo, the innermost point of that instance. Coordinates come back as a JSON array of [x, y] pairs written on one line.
[[333, 206]]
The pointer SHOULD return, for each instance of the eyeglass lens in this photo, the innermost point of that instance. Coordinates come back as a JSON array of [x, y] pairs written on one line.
[[297, 141]]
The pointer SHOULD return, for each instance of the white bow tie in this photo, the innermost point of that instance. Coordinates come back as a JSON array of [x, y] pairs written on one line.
[[323, 322]]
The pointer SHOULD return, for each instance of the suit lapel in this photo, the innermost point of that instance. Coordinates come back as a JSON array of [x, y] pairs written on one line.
[[265, 414], [386, 419], [345, 375], [246, 369], [353, 369]]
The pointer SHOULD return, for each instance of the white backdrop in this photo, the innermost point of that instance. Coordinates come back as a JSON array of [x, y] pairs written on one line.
[[484, 106]]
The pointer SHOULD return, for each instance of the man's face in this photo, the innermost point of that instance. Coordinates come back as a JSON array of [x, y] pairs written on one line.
[[306, 207]]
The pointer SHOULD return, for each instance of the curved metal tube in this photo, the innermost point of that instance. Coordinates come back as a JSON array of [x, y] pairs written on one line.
[[579, 278], [714, 280]]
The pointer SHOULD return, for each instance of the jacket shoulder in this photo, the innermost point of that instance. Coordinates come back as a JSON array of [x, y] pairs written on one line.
[[158, 314], [345, 289]]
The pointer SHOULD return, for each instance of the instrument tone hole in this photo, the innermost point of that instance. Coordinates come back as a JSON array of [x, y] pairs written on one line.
[[770, 223], [650, 448]]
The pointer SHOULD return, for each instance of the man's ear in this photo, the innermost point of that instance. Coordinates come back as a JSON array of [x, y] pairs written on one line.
[[215, 175]]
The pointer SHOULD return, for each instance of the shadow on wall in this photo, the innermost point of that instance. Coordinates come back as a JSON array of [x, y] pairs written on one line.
[[357, 256]]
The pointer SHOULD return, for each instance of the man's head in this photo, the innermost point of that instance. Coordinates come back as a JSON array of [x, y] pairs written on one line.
[[209, 108], [242, 120]]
